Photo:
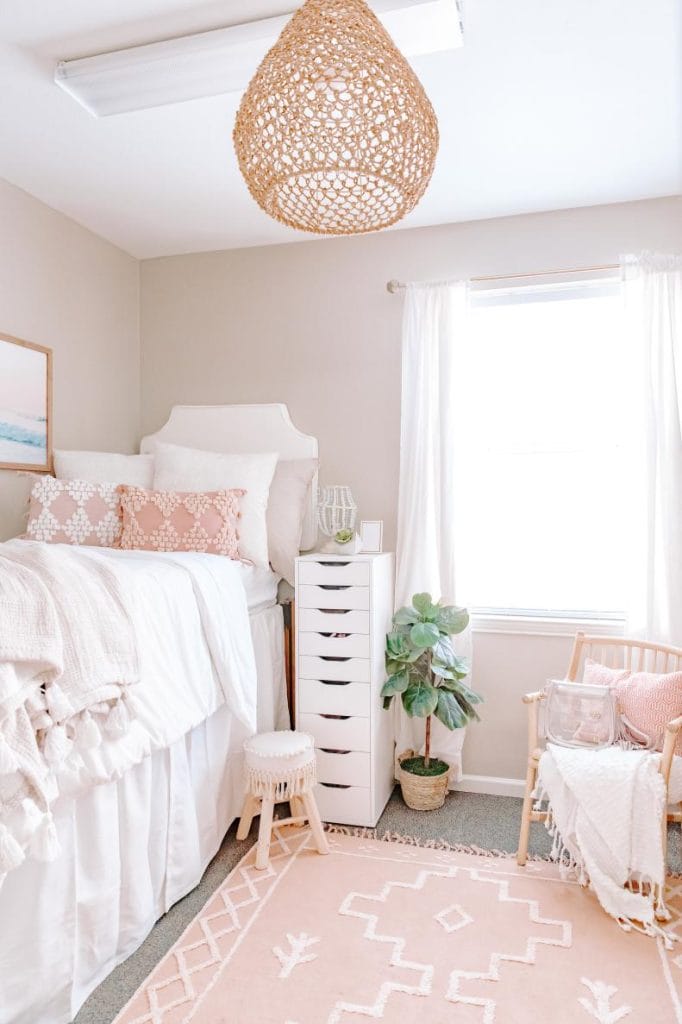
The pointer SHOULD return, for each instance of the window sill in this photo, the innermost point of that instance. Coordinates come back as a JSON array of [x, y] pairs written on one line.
[[550, 625]]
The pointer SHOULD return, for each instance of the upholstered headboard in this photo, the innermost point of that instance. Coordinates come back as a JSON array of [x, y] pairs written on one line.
[[241, 429]]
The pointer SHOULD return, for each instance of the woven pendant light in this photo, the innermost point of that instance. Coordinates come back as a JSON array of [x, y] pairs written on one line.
[[335, 133]]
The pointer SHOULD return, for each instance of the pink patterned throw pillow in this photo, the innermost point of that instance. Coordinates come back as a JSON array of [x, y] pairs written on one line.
[[648, 700], [180, 521], [597, 674], [73, 512]]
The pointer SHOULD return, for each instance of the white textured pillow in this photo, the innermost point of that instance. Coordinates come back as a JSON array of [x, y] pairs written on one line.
[[287, 507], [105, 468], [188, 469]]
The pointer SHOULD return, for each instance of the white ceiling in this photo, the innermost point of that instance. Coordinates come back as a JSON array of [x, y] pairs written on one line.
[[550, 104]]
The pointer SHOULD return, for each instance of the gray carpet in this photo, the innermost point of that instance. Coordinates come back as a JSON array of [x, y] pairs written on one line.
[[489, 822]]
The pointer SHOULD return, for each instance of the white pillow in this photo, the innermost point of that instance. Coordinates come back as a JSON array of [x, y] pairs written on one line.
[[288, 504], [187, 469], [105, 468]]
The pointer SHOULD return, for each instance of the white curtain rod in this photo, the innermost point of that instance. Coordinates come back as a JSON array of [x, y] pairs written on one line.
[[394, 286]]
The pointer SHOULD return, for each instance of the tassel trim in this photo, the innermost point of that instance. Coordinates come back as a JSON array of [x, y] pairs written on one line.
[[281, 785], [572, 866]]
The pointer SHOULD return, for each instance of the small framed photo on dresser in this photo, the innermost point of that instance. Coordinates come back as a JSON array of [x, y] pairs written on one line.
[[372, 535], [25, 405]]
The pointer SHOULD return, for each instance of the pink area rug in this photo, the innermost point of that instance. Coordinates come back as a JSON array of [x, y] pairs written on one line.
[[402, 934]]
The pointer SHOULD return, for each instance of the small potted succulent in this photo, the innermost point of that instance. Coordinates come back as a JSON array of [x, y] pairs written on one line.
[[425, 672]]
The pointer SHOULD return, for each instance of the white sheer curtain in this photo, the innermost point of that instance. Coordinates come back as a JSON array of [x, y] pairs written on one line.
[[653, 302], [434, 323]]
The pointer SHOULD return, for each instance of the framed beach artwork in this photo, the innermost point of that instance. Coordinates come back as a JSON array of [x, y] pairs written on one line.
[[25, 405]]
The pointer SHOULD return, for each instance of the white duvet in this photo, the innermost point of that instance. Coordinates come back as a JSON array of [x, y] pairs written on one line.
[[190, 621]]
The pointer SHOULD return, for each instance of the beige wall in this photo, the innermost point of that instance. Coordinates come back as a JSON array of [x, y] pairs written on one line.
[[312, 325], [63, 287]]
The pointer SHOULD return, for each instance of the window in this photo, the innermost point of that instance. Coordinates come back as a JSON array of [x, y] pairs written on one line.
[[542, 451]]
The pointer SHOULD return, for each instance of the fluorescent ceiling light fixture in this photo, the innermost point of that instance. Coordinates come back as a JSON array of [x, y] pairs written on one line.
[[225, 59]]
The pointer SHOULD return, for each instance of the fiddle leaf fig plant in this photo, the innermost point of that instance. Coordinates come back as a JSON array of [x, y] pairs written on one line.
[[424, 670]]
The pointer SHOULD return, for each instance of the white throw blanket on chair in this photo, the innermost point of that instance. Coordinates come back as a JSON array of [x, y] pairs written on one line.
[[606, 810]]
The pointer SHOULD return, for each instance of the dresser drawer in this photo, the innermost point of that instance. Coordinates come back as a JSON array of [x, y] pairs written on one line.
[[334, 574], [352, 670], [336, 733], [334, 698], [334, 646], [344, 767], [332, 597], [347, 806], [317, 620]]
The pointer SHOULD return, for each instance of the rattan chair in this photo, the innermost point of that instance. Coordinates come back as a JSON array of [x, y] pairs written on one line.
[[616, 652]]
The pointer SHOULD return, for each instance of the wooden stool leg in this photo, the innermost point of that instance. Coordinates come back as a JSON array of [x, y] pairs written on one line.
[[315, 823], [264, 833], [249, 809], [297, 808]]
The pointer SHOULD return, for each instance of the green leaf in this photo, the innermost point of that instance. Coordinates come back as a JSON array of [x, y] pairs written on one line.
[[428, 611], [466, 706], [457, 687], [443, 650], [452, 620], [399, 648], [449, 712], [442, 671], [396, 643], [397, 683], [420, 700], [470, 695], [405, 616], [460, 666], [424, 634]]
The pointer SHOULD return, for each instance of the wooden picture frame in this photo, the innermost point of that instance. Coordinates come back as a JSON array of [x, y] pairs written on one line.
[[25, 405]]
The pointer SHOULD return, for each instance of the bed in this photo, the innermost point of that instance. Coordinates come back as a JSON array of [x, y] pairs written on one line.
[[133, 846]]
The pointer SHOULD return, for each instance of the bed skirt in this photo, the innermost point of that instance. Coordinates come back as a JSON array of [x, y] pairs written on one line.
[[130, 849]]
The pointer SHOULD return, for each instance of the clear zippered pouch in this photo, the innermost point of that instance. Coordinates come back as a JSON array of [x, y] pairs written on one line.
[[580, 715]]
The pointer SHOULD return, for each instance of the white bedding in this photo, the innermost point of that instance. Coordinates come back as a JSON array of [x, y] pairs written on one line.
[[190, 620], [195, 652], [133, 845]]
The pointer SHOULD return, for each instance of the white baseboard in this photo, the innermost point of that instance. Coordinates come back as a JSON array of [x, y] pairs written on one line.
[[491, 785]]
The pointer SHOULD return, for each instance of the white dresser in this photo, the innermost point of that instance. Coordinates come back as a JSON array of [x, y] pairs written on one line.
[[344, 605]]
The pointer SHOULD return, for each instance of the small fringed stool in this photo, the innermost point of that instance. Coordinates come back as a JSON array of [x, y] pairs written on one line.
[[280, 766]]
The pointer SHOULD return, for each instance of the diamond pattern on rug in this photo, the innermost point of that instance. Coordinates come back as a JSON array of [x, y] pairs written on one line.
[[403, 935]]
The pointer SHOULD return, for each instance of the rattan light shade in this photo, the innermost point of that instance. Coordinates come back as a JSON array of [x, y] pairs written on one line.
[[335, 133]]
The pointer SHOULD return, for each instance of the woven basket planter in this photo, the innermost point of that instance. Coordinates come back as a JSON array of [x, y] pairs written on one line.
[[422, 792]]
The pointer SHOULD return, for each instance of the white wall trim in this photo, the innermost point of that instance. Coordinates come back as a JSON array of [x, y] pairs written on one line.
[[491, 785], [537, 625]]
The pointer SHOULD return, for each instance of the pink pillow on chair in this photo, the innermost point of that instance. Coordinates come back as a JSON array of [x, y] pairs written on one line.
[[180, 521], [648, 700], [597, 674]]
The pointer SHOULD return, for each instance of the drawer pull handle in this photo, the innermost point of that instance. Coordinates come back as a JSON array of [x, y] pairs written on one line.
[[334, 564], [335, 636], [329, 586], [334, 611], [338, 718], [330, 750], [334, 785], [328, 657], [335, 682]]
